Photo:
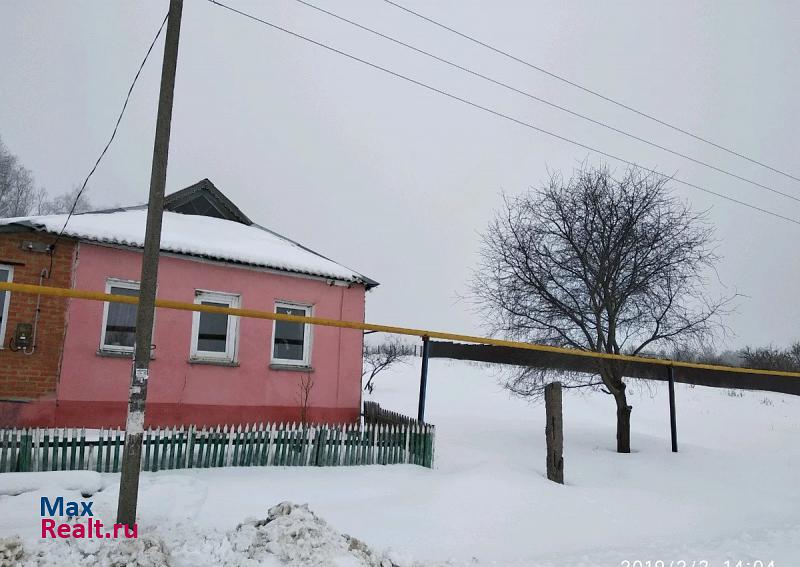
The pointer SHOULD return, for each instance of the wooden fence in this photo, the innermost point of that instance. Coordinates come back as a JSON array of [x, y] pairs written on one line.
[[253, 445], [375, 414]]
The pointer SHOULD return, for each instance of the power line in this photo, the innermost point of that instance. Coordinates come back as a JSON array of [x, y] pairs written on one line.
[[495, 112], [547, 102], [592, 92], [113, 134]]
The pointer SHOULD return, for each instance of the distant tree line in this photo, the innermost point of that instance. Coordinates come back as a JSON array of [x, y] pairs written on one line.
[[764, 358], [19, 195]]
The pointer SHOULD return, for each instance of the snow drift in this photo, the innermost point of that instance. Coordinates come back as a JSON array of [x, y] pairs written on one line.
[[290, 535]]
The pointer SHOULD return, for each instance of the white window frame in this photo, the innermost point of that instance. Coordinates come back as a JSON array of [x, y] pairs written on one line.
[[232, 336], [307, 336], [4, 307], [126, 284]]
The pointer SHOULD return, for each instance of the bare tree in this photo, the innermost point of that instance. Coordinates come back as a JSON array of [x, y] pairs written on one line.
[[63, 203], [597, 263], [304, 388], [378, 358], [19, 195], [17, 190]]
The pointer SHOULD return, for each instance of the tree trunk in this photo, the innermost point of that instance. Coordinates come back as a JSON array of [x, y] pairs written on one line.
[[612, 378], [623, 423]]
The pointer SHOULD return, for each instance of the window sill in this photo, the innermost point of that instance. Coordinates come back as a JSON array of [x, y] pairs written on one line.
[[212, 362], [291, 367], [119, 354]]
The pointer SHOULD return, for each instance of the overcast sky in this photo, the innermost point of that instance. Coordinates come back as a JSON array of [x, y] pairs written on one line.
[[393, 180]]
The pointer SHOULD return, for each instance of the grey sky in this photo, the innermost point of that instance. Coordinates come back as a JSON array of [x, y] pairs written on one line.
[[393, 180]]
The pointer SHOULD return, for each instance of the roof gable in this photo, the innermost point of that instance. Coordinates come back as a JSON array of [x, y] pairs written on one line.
[[204, 199], [198, 221]]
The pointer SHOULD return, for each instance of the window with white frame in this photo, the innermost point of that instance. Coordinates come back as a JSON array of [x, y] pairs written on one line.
[[291, 342], [6, 275], [119, 319], [214, 335]]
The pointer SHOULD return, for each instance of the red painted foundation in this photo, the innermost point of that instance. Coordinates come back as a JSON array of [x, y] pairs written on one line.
[[95, 415]]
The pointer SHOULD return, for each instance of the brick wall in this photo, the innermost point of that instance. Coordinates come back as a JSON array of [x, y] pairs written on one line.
[[26, 377]]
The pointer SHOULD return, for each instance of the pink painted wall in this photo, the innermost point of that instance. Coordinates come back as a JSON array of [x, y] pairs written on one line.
[[93, 389]]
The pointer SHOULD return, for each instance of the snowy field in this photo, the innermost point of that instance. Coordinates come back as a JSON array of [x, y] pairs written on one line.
[[732, 493]]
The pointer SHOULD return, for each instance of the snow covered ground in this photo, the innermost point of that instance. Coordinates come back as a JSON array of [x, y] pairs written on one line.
[[731, 493]]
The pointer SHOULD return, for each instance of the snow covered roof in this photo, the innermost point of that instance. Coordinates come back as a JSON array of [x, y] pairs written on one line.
[[197, 235]]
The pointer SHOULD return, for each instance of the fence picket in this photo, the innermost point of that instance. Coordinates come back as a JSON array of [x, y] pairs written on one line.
[[412, 445], [220, 443], [117, 443], [4, 449], [210, 440], [212, 445], [390, 444], [289, 445], [298, 445], [226, 446], [190, 447], [327, 446], [245, 450], [270, 449], [63, 445], [46, 451], [334, 457], [169, 448], [316, 453], [290, 432], [164, 442], [235, 434], [154, 463], [347, 445], [34, 466], [254, 444], [54, 453], [147, 449], [259, 445], [12, 452], [245, 454], [179, 450], [329, 438]]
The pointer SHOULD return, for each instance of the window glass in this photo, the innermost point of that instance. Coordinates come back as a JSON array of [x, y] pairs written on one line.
[[291, 338], [120, 328], [212, 330]]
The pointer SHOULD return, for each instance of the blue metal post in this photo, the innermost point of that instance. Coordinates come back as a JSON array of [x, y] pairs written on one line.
[[672, 420], [423, 380]]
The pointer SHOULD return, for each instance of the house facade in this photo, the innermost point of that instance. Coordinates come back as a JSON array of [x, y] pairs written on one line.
[[72, 369]]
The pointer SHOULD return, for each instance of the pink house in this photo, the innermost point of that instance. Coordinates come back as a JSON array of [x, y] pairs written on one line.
[[206, 368]]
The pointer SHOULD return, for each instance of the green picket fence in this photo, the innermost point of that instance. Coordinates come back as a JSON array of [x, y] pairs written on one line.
[[262, 444]]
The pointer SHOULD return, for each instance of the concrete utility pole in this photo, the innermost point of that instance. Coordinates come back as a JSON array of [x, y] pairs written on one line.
[[134, 427]]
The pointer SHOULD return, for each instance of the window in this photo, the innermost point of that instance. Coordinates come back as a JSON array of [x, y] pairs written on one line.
[[214, 335], [119, 319], [291, 342], [6, 275]]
